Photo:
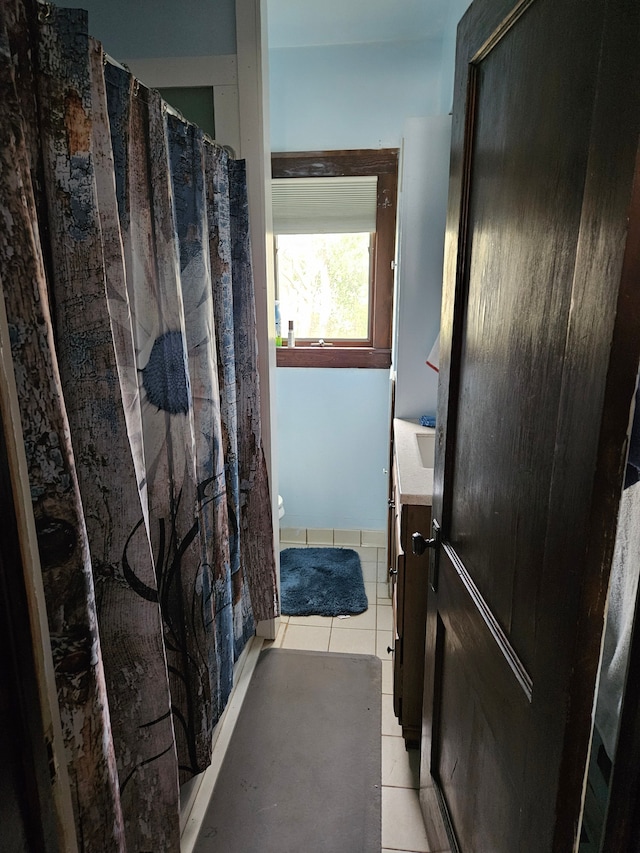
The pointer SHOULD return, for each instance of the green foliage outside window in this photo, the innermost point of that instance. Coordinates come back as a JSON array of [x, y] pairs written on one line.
[[324, 284]]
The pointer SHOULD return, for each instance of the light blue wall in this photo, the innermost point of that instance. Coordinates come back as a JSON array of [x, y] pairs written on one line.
[[457, 8], [333, 425], [333, 442], [422, 217], [351, 96], [147, 28]]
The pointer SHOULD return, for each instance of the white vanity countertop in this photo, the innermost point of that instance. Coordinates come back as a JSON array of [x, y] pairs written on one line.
[[414, 481]]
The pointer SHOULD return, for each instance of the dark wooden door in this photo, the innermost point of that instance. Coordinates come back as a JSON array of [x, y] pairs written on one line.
[[539, 357]]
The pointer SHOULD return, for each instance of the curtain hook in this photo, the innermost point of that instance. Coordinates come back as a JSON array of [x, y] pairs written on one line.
[[136, 88], [44, 11]]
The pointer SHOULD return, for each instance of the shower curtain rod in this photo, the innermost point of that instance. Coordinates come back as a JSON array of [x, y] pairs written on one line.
[[172, 110], [44, 10]]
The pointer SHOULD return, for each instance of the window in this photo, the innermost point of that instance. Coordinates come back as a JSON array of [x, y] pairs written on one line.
[[334, 225], [324, 282]]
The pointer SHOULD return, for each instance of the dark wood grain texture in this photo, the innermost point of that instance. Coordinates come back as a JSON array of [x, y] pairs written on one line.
[[333, 164], [332, 357], [612, 217], [412, 604], [409, 574], [381, 309], [538, 367]]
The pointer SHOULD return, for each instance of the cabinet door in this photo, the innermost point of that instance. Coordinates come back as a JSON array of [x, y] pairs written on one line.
[[396, 578], [412, 588]]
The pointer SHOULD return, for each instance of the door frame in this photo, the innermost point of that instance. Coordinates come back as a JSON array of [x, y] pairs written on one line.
[[25, 584], [622, 822]]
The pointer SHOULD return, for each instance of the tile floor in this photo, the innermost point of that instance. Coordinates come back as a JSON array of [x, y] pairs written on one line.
[[371, 633]]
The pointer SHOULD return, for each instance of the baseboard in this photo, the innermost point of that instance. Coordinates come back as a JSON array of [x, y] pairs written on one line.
[[268, 628], [348, 538], [195, 806]]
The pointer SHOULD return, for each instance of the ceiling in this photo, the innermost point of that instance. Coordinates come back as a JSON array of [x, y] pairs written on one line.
[[303, 23]]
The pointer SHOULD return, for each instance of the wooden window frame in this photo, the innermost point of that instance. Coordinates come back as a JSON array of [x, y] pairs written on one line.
[[382, 162]]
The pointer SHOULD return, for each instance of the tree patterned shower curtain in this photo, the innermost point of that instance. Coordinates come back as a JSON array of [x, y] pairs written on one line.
[[125, 269]]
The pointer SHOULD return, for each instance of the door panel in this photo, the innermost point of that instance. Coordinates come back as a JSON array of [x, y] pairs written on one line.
[[472, 744], [469, 743], [522, 168], [532, 415]]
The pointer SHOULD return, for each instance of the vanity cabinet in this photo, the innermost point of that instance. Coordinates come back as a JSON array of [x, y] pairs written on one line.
[[408, 576]]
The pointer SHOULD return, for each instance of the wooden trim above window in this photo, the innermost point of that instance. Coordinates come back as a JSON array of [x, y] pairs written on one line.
[[302, 356], [335, 164], [383, 163]]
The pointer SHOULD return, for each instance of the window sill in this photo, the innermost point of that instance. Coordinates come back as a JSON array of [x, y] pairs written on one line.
[[333, 357]]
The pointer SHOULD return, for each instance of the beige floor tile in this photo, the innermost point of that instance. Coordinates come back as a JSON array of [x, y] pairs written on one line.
[[387, 676], [384, 641], [403, 830], [390, 725], [366, 621], [367, 555], [369, 572], [384, 621], [353, 641], [383, 593], [306, 637], [402, 826], [400, 766], [313, 621], [371, 588]]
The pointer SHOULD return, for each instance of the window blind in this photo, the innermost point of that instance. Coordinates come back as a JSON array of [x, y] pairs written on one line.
[[324, 205]]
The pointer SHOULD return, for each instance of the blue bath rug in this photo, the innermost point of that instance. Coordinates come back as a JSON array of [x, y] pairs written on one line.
[[321, 582]]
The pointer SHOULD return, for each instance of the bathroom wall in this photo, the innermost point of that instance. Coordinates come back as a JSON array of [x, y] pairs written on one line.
[[333, 425], [350, 96], [455, 11], [146, 28], [333, 439]]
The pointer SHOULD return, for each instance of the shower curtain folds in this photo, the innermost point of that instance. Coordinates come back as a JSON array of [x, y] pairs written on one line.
[[126, 275]]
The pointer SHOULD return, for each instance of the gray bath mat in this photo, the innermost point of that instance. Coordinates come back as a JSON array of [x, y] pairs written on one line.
[[302, 773], [321, 582]]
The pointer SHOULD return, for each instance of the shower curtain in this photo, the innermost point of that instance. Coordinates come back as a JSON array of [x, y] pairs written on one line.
[[125, 269]]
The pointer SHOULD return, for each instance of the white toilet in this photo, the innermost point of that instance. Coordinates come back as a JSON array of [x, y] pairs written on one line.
[[280, 506]]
